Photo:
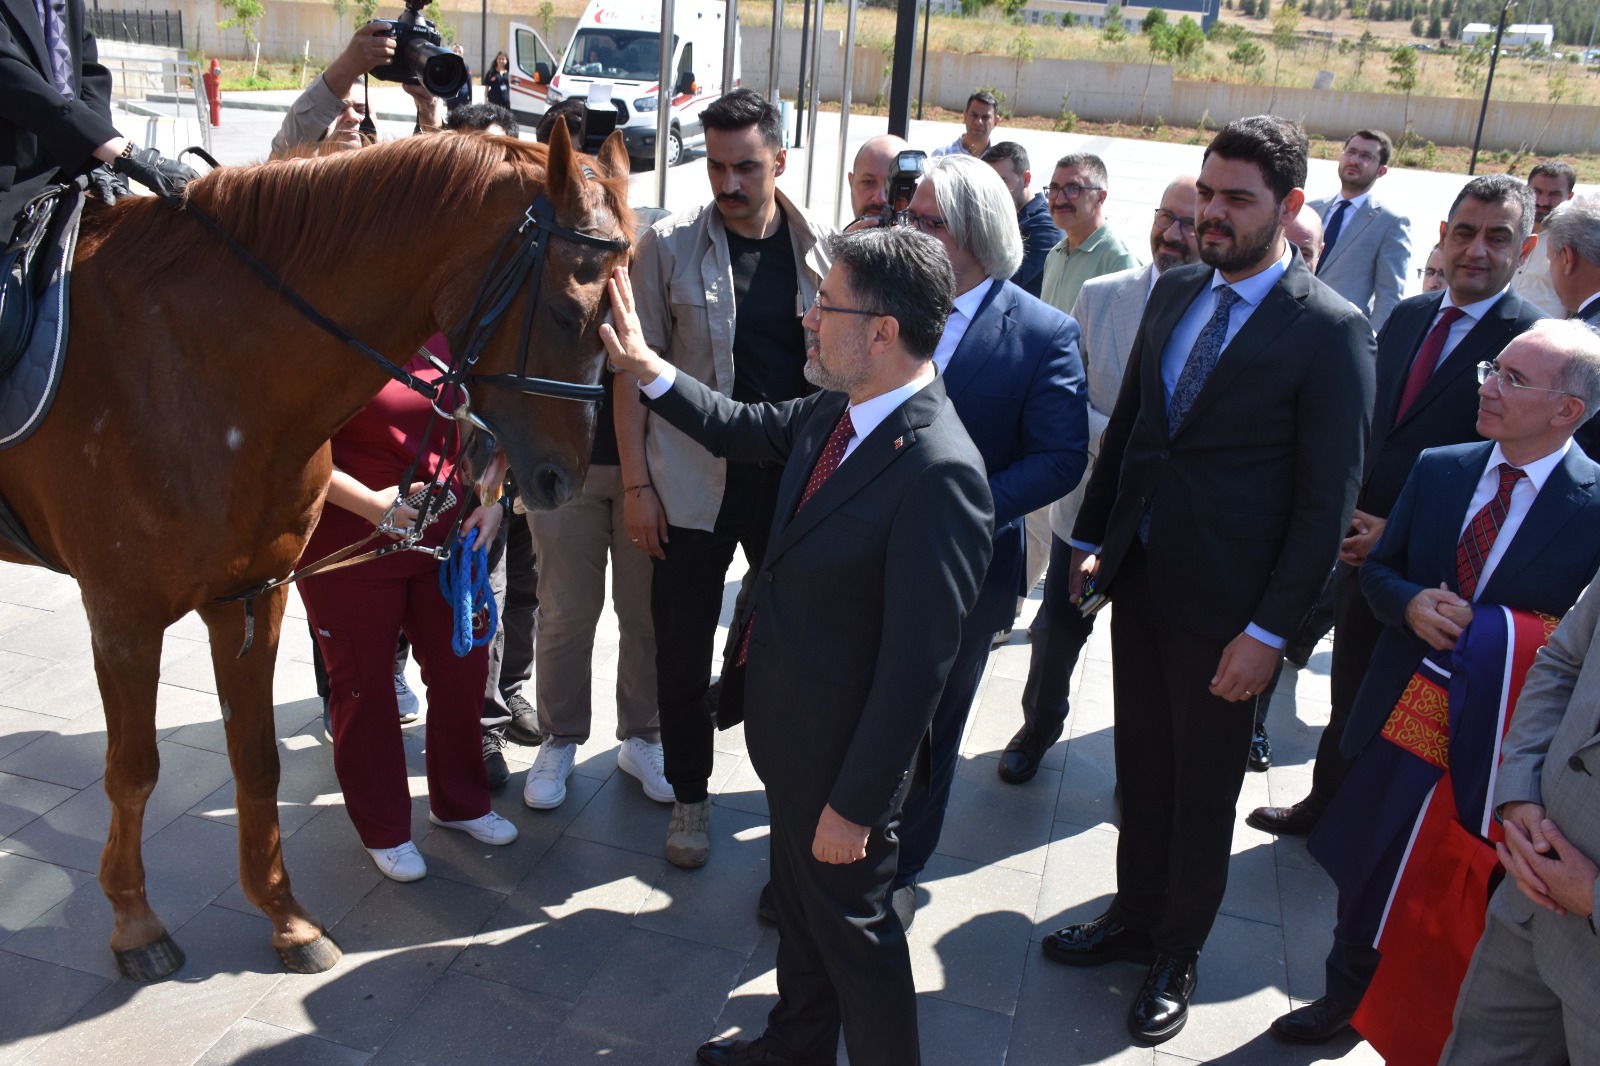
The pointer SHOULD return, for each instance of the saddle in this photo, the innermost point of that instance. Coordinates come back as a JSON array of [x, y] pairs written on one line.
[[38, 256]]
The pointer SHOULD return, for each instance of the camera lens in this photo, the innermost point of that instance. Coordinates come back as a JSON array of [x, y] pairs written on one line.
[[440, 70]]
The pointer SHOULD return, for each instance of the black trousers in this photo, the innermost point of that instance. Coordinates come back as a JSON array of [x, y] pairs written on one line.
[[519, 616], [1355, 638], [923, 820], [1057, 641], [685, 603], [842, 958], [1180, 754]]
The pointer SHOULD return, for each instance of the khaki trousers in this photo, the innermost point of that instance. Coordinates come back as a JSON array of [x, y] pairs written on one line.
[[573, 544]]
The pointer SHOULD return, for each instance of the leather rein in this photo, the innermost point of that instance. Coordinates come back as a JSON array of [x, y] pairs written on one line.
[[518, 263]]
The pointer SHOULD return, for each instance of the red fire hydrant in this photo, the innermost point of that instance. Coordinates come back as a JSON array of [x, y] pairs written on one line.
[[213, 83]]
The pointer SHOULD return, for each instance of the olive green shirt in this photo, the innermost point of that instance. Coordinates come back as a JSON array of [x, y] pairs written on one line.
[[1066, 269]]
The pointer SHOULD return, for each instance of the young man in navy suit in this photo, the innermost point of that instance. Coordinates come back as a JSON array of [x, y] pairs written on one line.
[[878, 546], [1543, 551]]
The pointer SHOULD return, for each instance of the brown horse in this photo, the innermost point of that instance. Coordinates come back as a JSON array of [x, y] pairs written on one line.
[[186, 456]]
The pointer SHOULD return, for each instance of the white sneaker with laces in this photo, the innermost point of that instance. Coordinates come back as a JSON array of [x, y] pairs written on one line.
[[642, 759], [490, 829], [400, 863], [410, 706], [546, 786]]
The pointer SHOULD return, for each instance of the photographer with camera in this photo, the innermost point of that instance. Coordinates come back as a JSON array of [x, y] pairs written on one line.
[[886, 173], [55, 113], [407, 50]]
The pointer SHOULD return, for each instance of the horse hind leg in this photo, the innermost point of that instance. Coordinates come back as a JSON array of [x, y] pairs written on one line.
[[128, 667], [244, 685]]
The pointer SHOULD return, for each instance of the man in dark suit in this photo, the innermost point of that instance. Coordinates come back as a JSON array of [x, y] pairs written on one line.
[[1427, 383], [1039, 233], [878, 547], [1010, 366], [1571, 239], [1513, 521], [1227, 472], [55, 109]]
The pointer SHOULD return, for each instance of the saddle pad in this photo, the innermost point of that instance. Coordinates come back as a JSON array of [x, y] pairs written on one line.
[[29, 388]]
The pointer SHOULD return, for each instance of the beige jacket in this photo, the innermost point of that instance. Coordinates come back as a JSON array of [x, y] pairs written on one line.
[[683, 287]]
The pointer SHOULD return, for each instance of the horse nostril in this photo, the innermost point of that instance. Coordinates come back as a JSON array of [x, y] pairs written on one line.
[[553, 484]]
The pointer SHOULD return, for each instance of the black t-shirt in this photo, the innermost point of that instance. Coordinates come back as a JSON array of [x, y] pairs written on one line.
[[769, 346], [604, 452]]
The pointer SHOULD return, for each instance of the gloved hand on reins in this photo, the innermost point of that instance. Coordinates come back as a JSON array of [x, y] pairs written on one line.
[[147, 166]]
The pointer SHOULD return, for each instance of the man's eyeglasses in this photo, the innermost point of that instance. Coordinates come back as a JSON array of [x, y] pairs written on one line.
[[1070, 191], [820, 307], [1165, 220], [926, 223], [1428, 273], [1507, 383]]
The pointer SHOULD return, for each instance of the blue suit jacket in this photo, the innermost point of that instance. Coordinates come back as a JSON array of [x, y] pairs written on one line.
[[1017, 382], [1554, 556]]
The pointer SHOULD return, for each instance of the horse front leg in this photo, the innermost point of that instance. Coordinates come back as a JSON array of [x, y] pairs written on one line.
[[244, 685], [127, 659]]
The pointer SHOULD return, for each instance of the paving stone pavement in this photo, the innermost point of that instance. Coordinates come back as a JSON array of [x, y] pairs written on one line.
[[579, 943]]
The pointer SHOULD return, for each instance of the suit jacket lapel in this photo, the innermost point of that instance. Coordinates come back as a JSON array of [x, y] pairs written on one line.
[[1280, 307], [1128, 310], [982, 338], [894, 436], [1568, 490], [1483, 341], [1408, 340], [1445, 512], [1165, 318], [24, 15], [1352, 228]]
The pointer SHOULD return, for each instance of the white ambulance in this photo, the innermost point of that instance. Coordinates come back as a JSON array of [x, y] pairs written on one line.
[[616, 53]]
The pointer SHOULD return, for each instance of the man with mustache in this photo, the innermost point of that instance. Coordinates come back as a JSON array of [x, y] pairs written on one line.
[[1552, 183], [1077, 198], [1366, 245], [1108, 311], [720, 293], [1227, 471]]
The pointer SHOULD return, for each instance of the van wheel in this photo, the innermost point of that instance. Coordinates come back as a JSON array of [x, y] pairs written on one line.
[[674, 147]]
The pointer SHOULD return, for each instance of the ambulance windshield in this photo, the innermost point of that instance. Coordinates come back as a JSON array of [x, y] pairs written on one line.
[[630, 55]]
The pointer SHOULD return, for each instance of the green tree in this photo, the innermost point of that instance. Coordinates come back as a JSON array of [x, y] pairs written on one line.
[[1156, 17], [1403, 69], [1417, 27], [1247, 8], [1435, 28], [1248, 54], [1162, 41], [1470, 65], [446, 31], [1189, 40], [247, 16], [1114, 32], [1263, 8], [1284, 24]]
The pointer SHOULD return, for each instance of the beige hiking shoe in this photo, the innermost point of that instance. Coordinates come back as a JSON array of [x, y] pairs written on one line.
[[688, 844]]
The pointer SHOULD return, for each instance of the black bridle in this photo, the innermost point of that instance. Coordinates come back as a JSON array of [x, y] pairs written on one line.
[[518, 263]]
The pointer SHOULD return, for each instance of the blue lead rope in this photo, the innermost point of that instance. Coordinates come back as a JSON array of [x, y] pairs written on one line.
[[464, 580]]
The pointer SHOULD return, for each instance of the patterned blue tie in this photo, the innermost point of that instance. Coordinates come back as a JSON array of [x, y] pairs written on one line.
[[1335, 224], [53, 19], [1202, 360]]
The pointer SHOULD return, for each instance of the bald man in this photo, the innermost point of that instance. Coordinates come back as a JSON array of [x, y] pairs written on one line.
[[869, 180], [1305, 233]]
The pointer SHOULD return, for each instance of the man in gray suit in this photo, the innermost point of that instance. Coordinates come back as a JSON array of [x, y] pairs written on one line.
[[1366, 246], [1530, 996], [1108, 310]]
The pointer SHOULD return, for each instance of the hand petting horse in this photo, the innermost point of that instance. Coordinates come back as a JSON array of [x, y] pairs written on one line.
[[185, 460]]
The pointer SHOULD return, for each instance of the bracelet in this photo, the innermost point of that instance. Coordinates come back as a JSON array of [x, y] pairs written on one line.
[[127, 149], [638, 488]]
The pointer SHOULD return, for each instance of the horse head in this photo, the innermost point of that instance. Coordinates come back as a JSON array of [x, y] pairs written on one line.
[[551, 328]]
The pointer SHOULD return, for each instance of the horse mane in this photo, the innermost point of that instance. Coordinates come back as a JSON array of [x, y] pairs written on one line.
[[299, 215]]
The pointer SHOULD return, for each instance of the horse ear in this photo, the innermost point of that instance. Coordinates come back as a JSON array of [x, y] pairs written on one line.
[[614, 156], [564, 173]]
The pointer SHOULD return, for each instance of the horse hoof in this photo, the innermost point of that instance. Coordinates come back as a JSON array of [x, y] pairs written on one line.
[[319, 955], [157, 959]]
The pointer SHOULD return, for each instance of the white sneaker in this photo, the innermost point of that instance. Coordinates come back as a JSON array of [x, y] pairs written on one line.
[[642, 759], [402, 863], [410, 706], [490, 829], [546, 786]]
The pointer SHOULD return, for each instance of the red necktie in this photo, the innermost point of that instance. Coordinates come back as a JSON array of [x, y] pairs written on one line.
[[1481, 532], [827, 462], [1427, 359]]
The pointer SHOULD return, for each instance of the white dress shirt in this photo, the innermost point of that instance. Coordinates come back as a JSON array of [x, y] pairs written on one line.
[[961, 316], [1522, 497], [1356, 204], [1470, 314]]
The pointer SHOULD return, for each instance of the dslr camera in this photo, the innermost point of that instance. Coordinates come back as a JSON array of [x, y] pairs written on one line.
[[904, 173], [420, 55]]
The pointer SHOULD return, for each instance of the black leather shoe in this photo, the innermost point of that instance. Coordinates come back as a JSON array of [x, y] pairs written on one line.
[[741, 1053], [494, 759], [524, 725], [1020, 761], [1100, 941], [1316, 1023], [1163, 1004], [766, 910], [1260, 752], [1296, 821]]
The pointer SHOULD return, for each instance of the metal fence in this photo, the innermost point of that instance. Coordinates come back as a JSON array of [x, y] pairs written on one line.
[[139, 27], [166, 93]]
